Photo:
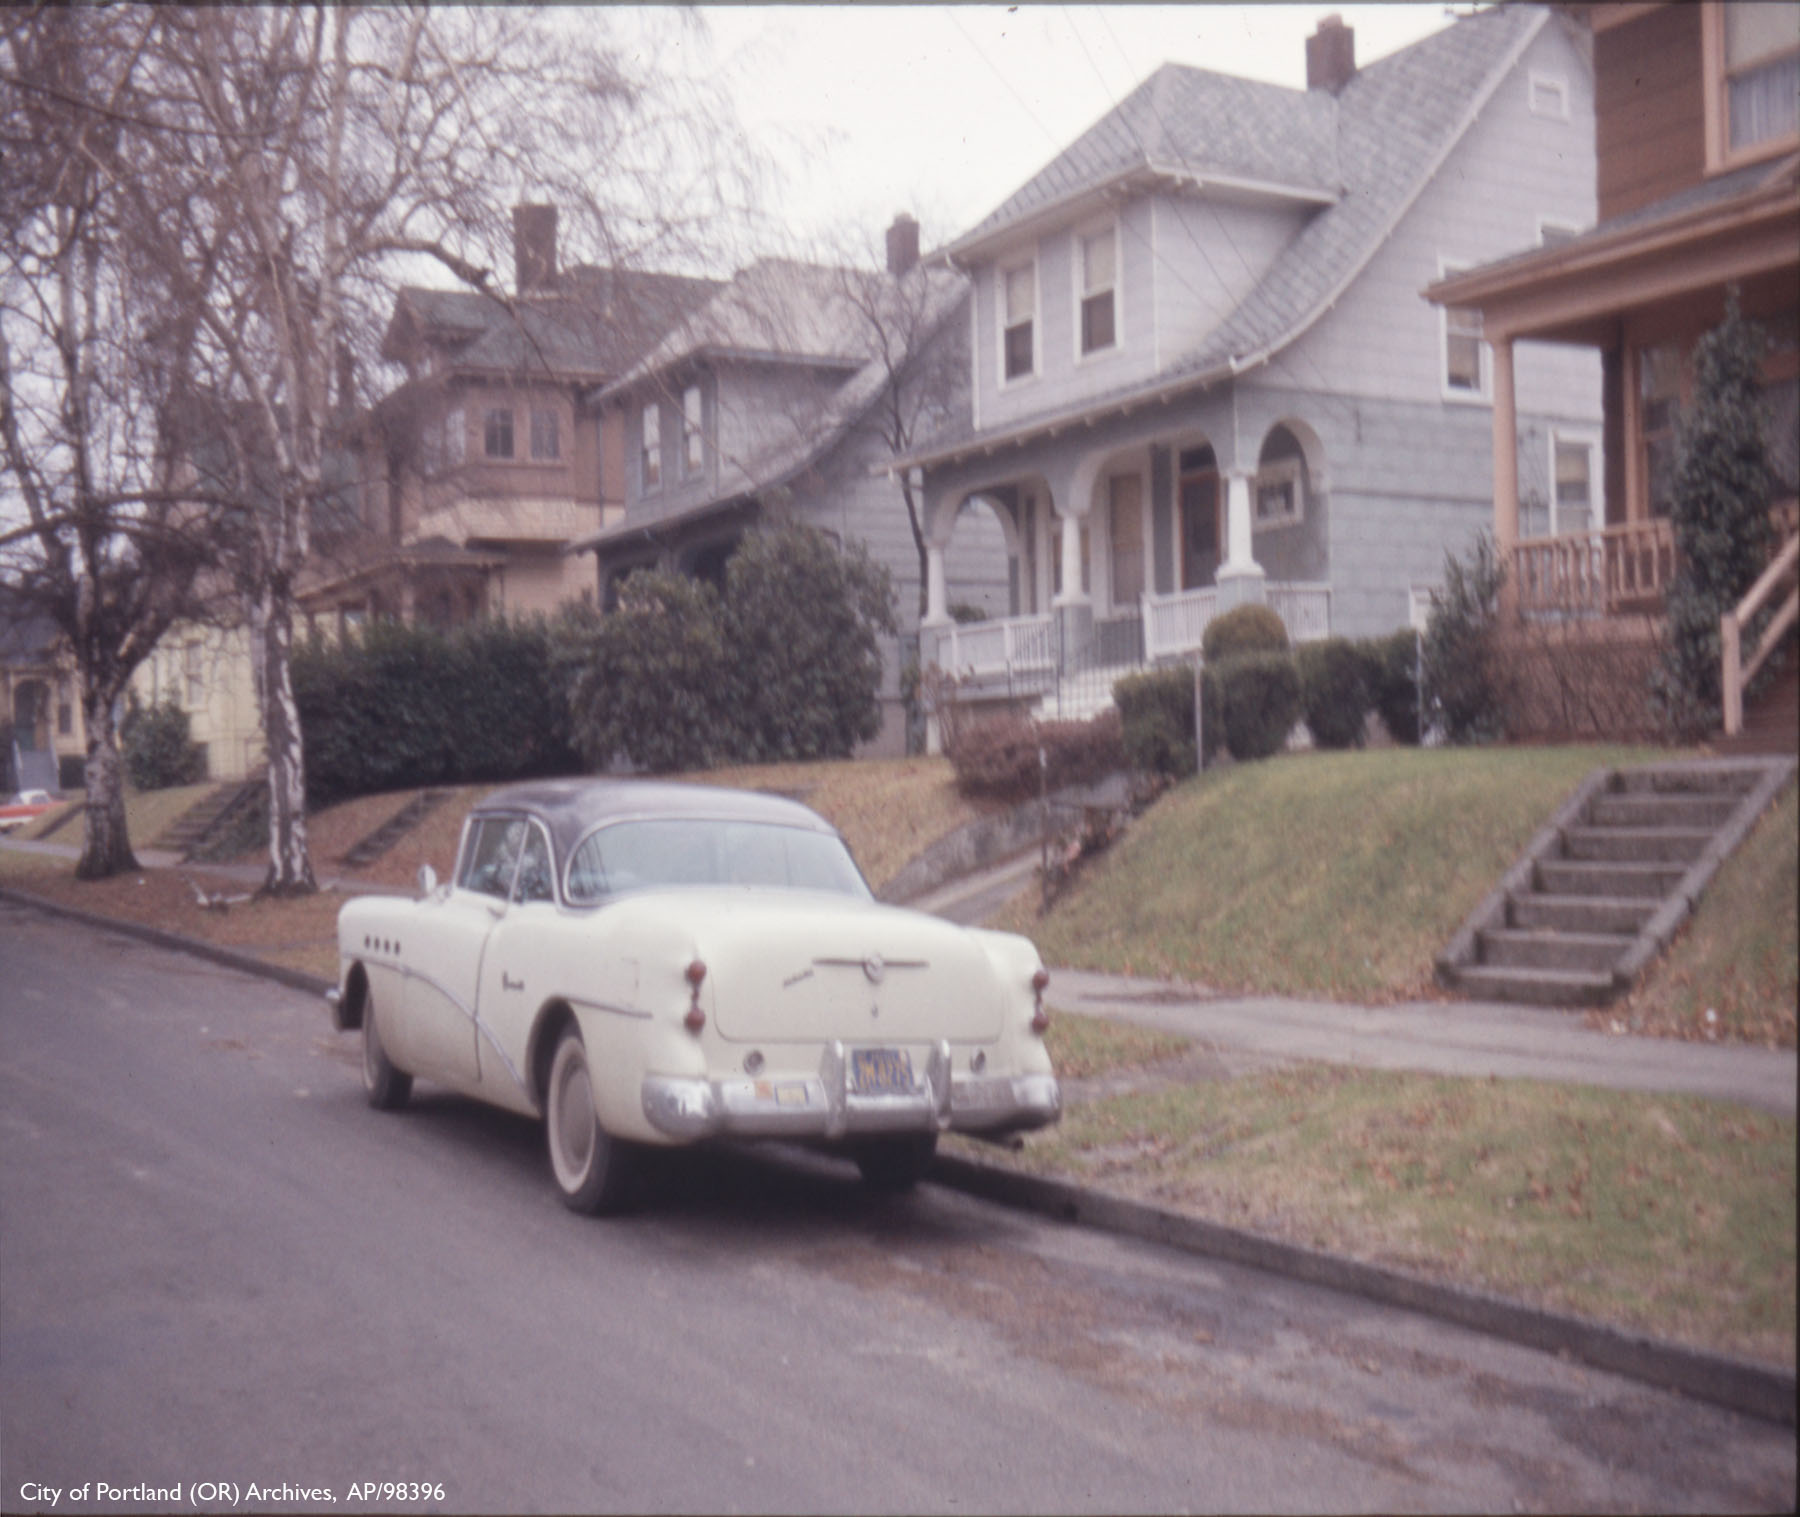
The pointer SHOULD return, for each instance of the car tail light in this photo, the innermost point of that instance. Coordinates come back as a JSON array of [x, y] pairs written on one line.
[[695, 1018], [1040, 1016]]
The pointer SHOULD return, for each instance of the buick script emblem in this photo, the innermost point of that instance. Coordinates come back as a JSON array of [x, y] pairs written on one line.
[[874, 967]]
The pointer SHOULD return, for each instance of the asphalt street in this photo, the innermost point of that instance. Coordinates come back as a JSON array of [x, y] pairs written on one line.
[[217, 1265]]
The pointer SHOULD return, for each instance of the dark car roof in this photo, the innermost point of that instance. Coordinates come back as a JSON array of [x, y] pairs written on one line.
[[571, 808]]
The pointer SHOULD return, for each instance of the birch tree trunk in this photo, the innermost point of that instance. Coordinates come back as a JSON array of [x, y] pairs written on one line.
[[105, 843], [290, 860]]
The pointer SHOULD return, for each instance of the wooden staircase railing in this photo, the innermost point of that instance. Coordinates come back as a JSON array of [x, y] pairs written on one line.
[[1735, 673]]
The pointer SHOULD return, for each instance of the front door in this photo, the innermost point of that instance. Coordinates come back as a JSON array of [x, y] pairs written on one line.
[[1199, 522], [1126, 502]]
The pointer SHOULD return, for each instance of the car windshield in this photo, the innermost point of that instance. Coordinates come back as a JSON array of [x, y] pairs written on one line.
[[688, 851]]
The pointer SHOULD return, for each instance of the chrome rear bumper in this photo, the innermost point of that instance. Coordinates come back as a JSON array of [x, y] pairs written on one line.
[[822, 1105]]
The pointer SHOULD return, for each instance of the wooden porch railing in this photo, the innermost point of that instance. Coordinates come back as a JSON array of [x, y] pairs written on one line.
[[1734, 673], [1610, 569], [1601, 573]]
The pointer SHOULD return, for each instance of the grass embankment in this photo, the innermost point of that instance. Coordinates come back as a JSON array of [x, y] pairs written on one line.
[[1737, 956], [1328, 874], [888, 810], [1666, 1214]]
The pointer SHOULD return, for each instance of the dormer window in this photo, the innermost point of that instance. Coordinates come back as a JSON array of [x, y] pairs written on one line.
[[1019, 294], [1099, 305], [651, 451]]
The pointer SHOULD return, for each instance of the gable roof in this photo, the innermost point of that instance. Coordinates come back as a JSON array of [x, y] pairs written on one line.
[[1186, 122], [1392, 126], [592, 325], [930, 296], [778, 310]]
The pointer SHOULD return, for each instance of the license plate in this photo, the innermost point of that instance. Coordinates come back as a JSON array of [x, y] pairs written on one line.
[[881, 1072]]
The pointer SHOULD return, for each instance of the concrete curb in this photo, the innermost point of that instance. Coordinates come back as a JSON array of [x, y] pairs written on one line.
[[1738, 1384], [230, 958], [1758, 1390]]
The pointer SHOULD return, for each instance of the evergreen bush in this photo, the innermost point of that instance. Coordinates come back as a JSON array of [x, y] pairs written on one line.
[[1243, 629], [1156, 711], [1466, 680], [1390, 668], [158, 745], [1720, 516], [1259, 701], [1334, 691]]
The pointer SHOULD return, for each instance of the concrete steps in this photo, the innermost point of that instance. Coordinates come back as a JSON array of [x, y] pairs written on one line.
[[188, 834], [396, 827], [1602, 888]]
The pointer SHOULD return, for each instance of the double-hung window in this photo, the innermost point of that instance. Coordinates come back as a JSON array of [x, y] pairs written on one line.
[[693, 441], [1463, 372], [546, 434], [1099, 291], [1019, 298], [1572, 464], [1752, 63], [651, 450], [497, 433]]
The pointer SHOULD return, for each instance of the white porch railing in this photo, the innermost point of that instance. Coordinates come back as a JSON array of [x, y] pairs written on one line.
[[1019, 644], [1304, 609], [1176, 623]]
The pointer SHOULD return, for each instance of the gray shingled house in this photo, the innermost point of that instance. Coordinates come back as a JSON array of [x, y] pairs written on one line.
[[1201, 366], [772, 402]]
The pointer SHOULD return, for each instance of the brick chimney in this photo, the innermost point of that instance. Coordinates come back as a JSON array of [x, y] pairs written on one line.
[[534, 248], [1330, 55], [902, 244]]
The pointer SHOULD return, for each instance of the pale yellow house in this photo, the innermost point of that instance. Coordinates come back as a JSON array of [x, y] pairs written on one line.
[[209, 674]]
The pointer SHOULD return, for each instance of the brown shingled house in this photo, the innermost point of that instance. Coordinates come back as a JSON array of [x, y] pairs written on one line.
[[478, 470]]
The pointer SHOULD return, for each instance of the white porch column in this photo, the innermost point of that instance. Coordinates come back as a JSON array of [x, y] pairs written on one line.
[[1240, 577], [1071, 593], [937, 611]]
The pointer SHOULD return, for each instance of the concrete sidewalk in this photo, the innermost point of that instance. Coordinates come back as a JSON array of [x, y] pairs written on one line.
[[1468, 1038]]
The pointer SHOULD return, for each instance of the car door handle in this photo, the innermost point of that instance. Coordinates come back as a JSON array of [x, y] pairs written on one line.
[[507, 982]]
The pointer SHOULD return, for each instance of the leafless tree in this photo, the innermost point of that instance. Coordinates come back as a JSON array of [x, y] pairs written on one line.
[[331, 148], [97, 529]]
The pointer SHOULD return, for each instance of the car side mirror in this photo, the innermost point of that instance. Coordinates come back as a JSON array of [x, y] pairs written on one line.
[[428, 880]]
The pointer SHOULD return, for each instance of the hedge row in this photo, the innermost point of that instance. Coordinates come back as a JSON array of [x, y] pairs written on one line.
[[1254, 695], [998, 758], [394, 705]]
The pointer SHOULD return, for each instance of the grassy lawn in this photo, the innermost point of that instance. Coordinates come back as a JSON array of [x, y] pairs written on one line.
[[1329, 874], [1737, 955], [1669, 1215]]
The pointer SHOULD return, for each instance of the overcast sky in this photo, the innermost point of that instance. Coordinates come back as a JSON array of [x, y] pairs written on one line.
[[943, 111]]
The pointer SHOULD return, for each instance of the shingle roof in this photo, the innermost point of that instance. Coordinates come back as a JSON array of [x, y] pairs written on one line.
[[1194, 120], [776, 309], [926, 300], [1389, 129], [594, 324]]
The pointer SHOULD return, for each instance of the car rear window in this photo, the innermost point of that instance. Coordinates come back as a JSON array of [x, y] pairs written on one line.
[[645, 855]]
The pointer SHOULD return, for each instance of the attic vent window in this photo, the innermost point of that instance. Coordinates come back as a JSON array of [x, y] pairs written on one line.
[[1549, 96], [1021, 307], [1098, 283]]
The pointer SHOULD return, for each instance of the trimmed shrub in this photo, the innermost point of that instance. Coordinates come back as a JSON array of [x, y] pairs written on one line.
[[651, 682], [786, 664], [998, 758], [804, 621], [1334, 691], [1390, 666], [1243, 629], [1466, 679], [393, 705], [1259, 700], [1156, 711], [159, 749]]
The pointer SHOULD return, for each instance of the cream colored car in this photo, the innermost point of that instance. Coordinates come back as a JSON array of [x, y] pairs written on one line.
[[644, 963]]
